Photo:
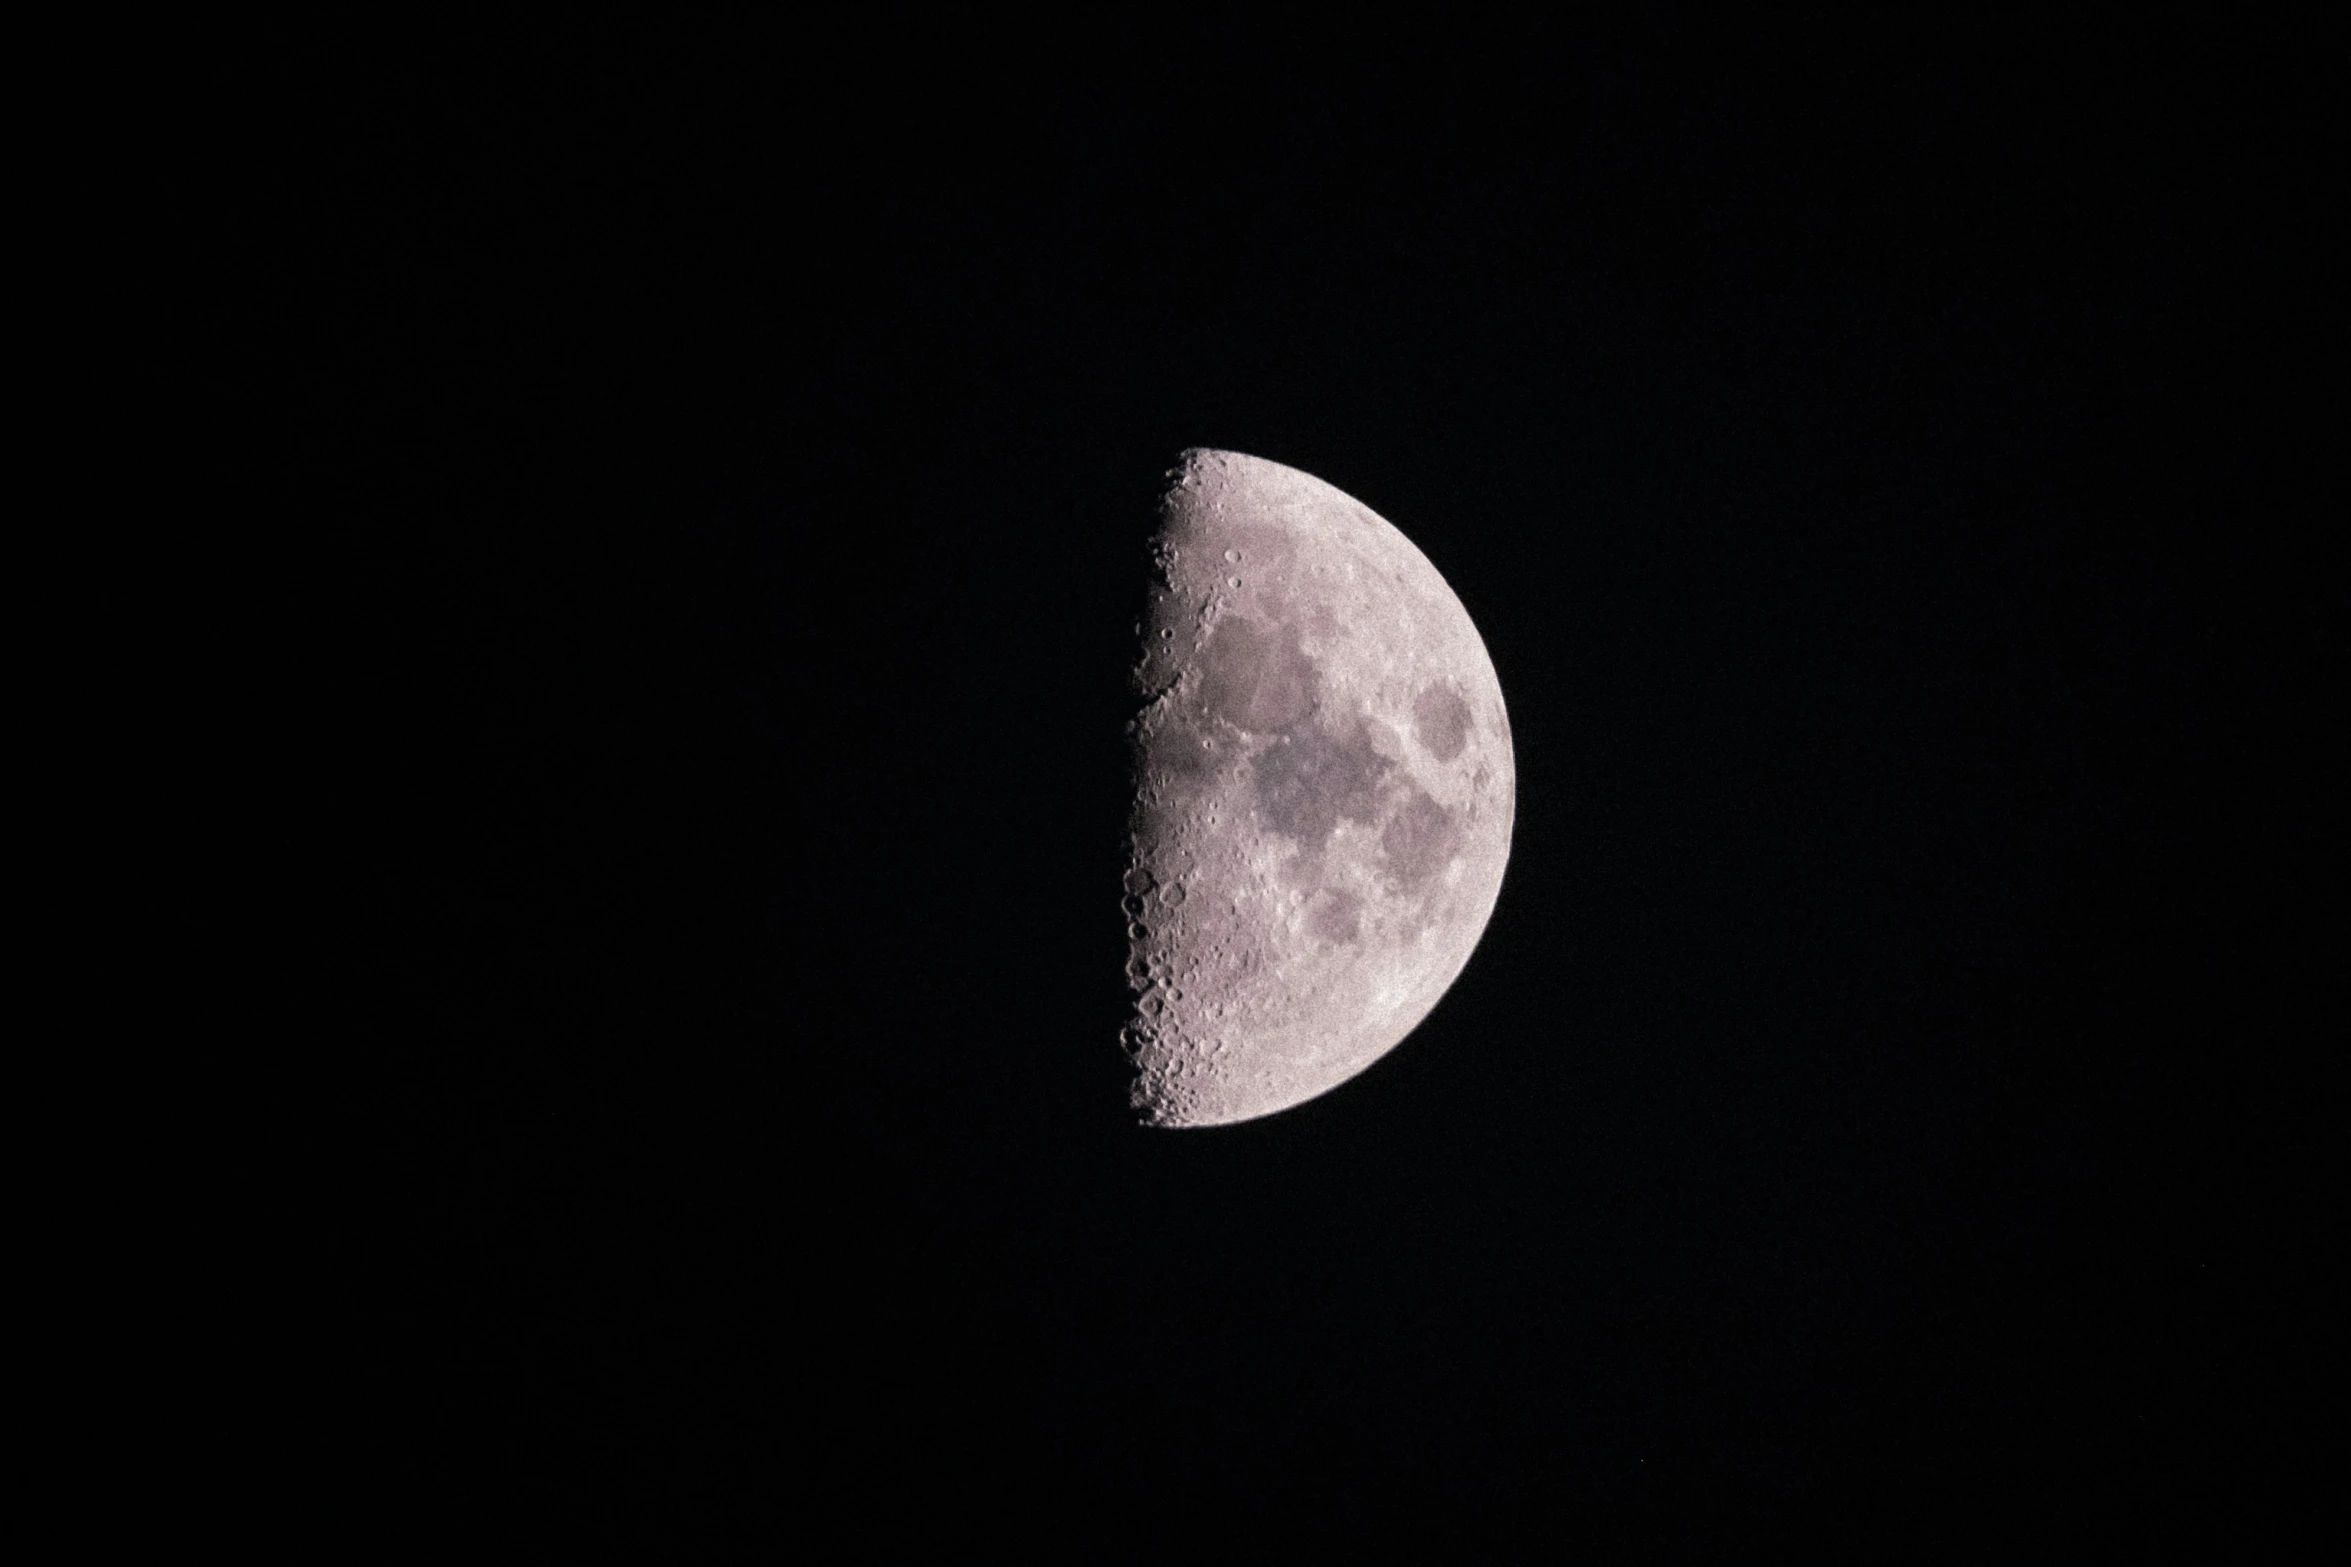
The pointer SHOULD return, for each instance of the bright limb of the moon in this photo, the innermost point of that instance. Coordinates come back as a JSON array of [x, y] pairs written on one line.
[[1323, 794]]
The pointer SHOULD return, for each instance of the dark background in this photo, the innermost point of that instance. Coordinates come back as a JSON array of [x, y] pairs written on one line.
[[717, 464]]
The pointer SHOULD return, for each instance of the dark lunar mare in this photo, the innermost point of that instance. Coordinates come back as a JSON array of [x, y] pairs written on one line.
[[1255, 680], [1306, 783]]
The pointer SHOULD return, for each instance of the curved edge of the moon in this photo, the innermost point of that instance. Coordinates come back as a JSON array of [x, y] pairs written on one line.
[[1308, 862]]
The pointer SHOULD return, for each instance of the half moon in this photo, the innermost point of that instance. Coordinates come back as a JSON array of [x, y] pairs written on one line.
[[1323, 794]]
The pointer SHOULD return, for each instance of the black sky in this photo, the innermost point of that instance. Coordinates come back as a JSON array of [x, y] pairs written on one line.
[[722, 460]]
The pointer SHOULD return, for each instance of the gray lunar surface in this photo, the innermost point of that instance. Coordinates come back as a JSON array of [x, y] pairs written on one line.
[[1323, 794]]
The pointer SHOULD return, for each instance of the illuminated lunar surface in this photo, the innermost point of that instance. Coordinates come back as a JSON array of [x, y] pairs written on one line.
[[1323, 794]]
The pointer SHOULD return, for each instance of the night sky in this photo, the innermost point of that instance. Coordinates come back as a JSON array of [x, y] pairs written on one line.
[[724, 460]]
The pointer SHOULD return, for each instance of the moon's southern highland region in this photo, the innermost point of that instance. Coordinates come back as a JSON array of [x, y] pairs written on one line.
[[1322, 801]]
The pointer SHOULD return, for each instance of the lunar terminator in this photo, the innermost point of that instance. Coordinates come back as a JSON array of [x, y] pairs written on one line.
[[1323, 794]]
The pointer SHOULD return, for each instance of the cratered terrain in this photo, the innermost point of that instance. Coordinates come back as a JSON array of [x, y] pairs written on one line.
[[1323, 794]]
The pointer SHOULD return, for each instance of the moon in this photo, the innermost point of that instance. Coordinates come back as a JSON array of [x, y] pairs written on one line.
[[1323, 793]]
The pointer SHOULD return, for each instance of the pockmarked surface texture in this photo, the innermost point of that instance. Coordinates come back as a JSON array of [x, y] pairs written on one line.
[[1323, 794]]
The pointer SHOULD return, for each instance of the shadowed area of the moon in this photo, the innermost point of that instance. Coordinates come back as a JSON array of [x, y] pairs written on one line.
[[1323, 794]]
